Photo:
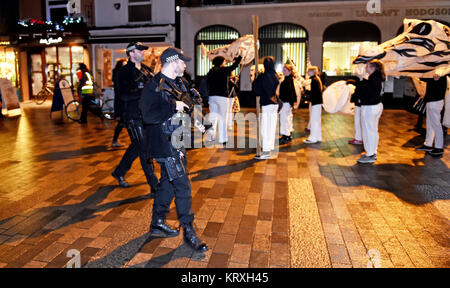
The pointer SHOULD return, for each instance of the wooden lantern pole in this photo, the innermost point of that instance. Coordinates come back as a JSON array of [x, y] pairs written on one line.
[[255, 20]]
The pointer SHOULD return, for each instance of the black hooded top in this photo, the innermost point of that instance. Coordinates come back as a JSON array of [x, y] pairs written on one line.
[[265, 85], [287, 90]]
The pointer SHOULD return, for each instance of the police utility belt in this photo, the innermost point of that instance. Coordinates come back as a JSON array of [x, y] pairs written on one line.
[[174, 165]]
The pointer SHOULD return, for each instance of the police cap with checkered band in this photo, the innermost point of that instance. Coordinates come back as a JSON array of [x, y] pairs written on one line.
[[173, 54]]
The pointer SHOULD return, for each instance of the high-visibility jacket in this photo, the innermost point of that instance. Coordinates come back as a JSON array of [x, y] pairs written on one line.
[[88, 86]]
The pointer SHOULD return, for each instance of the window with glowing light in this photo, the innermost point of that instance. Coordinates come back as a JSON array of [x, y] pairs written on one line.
[[338, 57], [284, 41], [8, 64]]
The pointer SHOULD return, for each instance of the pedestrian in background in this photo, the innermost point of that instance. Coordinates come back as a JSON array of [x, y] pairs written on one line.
[[86, 91]]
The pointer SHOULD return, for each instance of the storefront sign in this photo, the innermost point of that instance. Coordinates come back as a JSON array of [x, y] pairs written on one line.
[[413, 12], [51, 41], [428, 12], [388, 12]]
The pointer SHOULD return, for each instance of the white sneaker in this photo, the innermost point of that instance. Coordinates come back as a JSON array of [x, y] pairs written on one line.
[[307, 141], [263, 156]]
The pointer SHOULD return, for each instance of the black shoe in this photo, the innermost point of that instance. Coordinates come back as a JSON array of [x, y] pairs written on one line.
[[288, 139], [121, 179], [159, 228], [192, 240], [282, 140], [436, 152], [424, 148]]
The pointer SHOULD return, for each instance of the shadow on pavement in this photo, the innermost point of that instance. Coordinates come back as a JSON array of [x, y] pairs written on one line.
[[39, 221], [411, 183], [222, 170], [125, 253]]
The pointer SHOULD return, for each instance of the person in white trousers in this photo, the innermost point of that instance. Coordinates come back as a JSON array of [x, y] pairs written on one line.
[[288, 95], [357, 140], [315, 98], [265, 86], [434, 97], [219, 101], [371, 109]]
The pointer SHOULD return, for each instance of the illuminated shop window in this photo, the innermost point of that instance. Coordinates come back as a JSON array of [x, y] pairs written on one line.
[[284, 41], [340, 47], [212, 37], [338, 57], [8, 64]]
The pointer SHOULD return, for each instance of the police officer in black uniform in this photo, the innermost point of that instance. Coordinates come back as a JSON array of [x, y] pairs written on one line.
[[160, 102], [131, 80]]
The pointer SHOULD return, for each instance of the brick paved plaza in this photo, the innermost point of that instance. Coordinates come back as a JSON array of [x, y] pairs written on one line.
[[313, 206]]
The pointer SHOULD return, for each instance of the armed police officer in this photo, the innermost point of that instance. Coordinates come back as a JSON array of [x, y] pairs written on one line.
[[160, 102], [131, 79]]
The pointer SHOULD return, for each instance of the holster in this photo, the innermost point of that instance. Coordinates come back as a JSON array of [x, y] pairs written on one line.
[[136, 131], [174, 165]]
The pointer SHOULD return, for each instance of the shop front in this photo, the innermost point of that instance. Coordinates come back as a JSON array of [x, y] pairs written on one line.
[[49, 52], [109, 44]]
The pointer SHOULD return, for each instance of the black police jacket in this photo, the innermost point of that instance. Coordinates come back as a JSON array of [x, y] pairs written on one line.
[[131, 82], [157, 106]]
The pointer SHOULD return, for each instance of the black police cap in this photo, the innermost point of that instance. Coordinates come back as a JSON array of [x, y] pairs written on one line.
[[173, 54]]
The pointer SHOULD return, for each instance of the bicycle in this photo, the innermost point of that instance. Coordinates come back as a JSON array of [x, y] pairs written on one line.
[[46, 91], [106, 106]]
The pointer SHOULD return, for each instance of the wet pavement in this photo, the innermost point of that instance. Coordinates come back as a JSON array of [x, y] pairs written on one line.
[[313, 206]]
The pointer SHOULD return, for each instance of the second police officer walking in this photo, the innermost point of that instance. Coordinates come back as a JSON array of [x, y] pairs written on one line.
[[159, 103], [131, 80]]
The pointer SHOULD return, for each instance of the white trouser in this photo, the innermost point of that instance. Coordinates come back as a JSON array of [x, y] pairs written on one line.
[[218, 109], [309, 122], [269, 121], [286, 120], [358, 132], [315, 120], [230, 113], [370, 116], [434, 125]]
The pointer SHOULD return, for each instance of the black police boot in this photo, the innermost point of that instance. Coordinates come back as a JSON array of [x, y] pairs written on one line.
[[159, 228], [192, 240], [121, 179]]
